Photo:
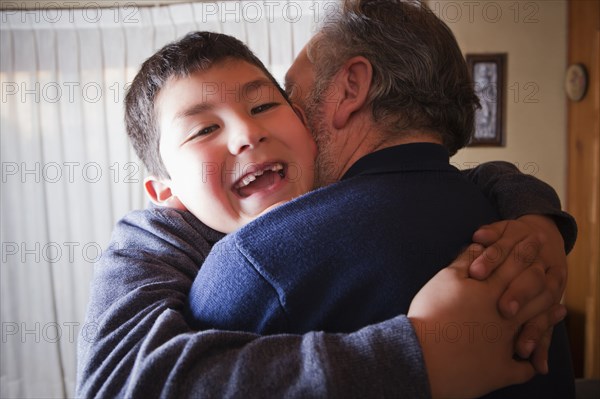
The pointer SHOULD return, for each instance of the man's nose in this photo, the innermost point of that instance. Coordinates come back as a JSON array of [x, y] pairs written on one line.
[[245, 135]]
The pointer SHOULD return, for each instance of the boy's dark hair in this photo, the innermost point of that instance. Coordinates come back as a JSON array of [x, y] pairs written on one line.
[[420, 78], [197, 51]]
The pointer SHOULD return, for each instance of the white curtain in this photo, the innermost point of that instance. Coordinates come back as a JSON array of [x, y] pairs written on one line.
[[68, 172]]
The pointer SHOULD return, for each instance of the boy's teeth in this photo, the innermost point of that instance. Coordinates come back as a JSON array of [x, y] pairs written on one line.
[[247, 180], [277, 168]]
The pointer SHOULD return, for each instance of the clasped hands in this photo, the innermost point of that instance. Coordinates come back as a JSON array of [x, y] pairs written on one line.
[[532, 249], [509, 285]]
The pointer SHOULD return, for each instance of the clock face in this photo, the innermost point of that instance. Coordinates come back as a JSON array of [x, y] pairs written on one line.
[[576, 82]]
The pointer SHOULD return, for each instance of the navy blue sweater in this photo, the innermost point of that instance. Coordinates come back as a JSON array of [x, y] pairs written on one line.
[[353, 254]]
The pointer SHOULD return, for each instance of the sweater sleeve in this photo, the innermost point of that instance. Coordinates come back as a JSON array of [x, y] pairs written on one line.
[[136, 343], [515, 194]]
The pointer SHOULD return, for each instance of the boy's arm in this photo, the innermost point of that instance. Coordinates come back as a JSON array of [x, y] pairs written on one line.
[[136, 343]]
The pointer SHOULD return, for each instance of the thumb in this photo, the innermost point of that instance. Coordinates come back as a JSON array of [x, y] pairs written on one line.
[[489, 233], [464, 260]]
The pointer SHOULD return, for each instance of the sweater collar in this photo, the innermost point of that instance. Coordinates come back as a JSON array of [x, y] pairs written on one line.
[[405, 157]]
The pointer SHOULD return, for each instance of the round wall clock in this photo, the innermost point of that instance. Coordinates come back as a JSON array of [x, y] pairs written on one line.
[[576, 82]]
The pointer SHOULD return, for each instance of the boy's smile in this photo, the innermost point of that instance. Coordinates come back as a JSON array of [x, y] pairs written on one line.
[[259, 178], [232, 145]]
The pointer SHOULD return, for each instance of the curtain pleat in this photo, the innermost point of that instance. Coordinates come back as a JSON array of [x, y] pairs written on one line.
[[68, 172]]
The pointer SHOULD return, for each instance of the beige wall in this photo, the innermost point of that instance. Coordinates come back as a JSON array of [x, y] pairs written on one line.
[[534, 35]]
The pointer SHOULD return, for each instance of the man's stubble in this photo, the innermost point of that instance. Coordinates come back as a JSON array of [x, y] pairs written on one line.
[[326, 167]]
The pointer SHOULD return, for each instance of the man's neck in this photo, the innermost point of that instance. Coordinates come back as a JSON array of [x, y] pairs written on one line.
[[374, 142]]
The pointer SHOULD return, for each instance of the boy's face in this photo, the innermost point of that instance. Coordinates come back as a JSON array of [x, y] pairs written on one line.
[[232, 145]]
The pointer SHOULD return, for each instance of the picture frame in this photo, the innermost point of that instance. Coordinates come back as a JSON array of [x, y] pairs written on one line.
[[488, 74]]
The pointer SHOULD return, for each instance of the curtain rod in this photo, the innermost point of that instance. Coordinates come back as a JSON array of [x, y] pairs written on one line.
[[45, 4]]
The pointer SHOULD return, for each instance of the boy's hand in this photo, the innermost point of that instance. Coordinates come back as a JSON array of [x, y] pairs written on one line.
[[533, 245], [467, 345]]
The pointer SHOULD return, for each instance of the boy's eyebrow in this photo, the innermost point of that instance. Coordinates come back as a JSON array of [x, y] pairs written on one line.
[[194, 110], [256, 84]]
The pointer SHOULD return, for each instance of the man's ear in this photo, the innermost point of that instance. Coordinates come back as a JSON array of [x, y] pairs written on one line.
[[354, 82], [160, 193]]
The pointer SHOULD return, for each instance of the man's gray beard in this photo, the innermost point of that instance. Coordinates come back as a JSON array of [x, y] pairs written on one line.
[[325, 162]]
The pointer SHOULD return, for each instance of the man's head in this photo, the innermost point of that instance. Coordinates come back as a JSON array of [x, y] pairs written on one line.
[[419, 81], [216, 132]]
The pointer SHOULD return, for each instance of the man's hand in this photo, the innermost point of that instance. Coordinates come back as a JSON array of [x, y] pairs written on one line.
[[467, 345], [533, 245]]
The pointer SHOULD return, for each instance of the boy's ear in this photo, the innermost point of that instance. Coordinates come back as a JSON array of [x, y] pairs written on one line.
[[354, 82], [160, 193]]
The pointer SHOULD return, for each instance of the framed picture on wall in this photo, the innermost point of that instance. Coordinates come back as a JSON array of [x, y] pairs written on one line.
[[488, 72]]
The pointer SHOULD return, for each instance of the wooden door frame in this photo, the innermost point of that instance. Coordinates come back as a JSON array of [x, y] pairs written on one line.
[[582, 295]]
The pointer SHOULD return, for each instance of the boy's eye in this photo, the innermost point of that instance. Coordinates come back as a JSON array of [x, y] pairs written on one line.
[[207, 130], [263, 108], [202, 132]]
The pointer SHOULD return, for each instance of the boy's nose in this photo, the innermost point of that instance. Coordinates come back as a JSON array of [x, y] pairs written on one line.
[[246, 135]]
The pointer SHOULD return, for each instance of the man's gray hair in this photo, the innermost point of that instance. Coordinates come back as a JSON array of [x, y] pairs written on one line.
[[420, 78]]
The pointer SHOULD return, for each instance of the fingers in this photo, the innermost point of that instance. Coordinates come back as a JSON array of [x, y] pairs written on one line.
[[487, 236], [541, 304], [512, 268], [530, 283], [472, 365], [539, 358], [553, 249], [533, 332], [490, 233], [556, 277], [504, 240], [465, 259]]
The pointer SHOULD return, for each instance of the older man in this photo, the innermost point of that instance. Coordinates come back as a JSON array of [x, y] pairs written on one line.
[[142, 346]]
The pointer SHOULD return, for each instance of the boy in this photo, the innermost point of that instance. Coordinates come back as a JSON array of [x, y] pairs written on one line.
[[238, 187]]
